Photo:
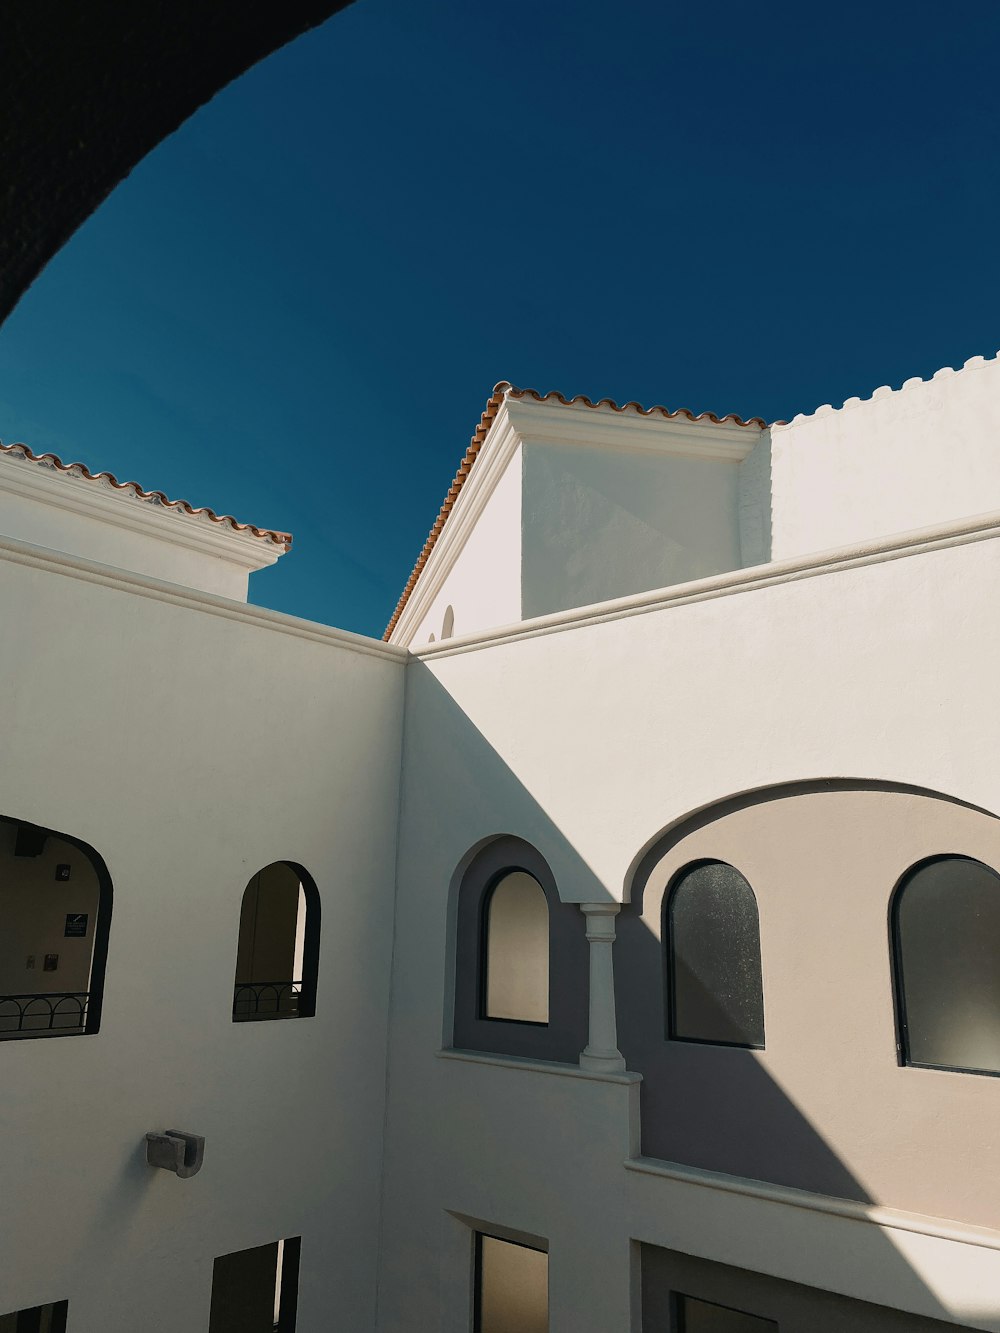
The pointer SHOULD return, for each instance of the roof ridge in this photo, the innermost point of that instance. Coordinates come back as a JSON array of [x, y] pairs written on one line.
[[507, 390], [53, 462]]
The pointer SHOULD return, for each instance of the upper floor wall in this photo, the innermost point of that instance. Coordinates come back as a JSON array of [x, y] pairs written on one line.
[[562, 504], [66, 508], [898, 461]]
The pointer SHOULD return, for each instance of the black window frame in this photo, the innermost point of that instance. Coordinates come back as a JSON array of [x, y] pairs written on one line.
[[477, 1273], [901, 1020], [667, 953], [566, 1034], [483, 962], [102, 937], [678, 1317], [306, 1007]]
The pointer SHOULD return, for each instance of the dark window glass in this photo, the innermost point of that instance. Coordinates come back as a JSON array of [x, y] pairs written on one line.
[[39, 1319], [256, 1290], [517, 950], [695, 1316], [512, 1287], [713, 943], [946, 926], [278, 951]]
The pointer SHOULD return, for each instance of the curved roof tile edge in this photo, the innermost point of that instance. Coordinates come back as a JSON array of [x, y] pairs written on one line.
[[506, 390], [282, 539]]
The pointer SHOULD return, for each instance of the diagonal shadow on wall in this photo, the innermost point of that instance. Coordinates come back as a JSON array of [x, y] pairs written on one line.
[[740, 1121]]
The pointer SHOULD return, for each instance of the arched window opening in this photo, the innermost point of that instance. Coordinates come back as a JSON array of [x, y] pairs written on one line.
[[946, 944], [55, 914], [516, 950], [448, 624], [715, 992], [278, 953]]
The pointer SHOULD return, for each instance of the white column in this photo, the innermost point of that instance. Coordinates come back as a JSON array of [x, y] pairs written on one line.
[[602, 1052]]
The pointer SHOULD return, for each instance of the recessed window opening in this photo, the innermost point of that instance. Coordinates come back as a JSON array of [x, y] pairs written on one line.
[[694, 1316], [714, 992], [516, 950], [278, 953], [945, 924], [512, 1287], [448, 623], [256, 1290], [55, 914], [39, 1319]]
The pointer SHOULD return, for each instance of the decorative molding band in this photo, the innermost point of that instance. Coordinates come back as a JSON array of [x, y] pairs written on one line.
[[141, 585], [91, 499], [602, 428], [893, 1219], [537, 1066], [961, 532], [498, 450]]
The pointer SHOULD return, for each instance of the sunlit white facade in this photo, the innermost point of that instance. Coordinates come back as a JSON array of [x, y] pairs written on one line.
[[640, 644]]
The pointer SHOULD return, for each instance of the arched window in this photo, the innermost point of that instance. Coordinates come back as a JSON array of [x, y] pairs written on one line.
[[55, 915], [448, 624], [712, 934], [945, 923], [277, 958], [521, 959], [516, 950]]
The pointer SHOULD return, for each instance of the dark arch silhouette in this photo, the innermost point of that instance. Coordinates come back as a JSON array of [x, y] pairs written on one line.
[[944, 922], [259, 997], [102, 926], [90, 89], [711, 933]]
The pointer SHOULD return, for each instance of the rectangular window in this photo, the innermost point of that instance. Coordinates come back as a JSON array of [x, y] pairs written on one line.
[[512, 1287], [255, 1291], [39, 1319], [694, 1316]]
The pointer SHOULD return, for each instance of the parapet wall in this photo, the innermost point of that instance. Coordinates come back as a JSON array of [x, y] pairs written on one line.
[[902, 459]]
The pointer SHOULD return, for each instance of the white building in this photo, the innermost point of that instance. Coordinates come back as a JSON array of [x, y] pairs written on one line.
[[722, 690]]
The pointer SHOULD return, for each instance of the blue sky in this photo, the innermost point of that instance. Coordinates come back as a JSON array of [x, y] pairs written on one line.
[[295, 308]]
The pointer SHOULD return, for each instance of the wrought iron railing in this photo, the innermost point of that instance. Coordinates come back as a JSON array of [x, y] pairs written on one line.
[[28, 1015], [266, 999]]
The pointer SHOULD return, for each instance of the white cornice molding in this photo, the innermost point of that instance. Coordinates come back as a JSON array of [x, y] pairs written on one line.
[[142, 585], [874, 1214], [943, 536], [79, 495], [498, 449], [527, 422], [628, 430]]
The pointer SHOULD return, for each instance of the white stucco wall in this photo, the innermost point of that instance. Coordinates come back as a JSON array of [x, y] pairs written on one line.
[[601, 523], [86, 518], [483, 585], [587, 741], [896, 461], [192, 742]]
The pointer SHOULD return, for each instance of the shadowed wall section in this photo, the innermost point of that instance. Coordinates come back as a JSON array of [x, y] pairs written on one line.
[[827, 1106]]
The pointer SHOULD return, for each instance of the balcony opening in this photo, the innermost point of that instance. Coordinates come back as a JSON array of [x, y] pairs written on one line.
[[39, 1319], [277, 958], [55, 914], [256, 1290]]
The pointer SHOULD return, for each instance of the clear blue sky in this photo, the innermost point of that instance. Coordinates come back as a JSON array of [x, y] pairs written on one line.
[[295, 308]]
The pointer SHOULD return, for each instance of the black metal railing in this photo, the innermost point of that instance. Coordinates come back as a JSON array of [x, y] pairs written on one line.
[[28, 1015], [266, 999]]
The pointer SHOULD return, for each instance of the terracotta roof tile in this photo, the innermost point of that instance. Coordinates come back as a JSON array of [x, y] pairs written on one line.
[[504, 390], [282, 539]]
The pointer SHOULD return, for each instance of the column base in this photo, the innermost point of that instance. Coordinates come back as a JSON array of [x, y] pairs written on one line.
[[602, 1062]]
